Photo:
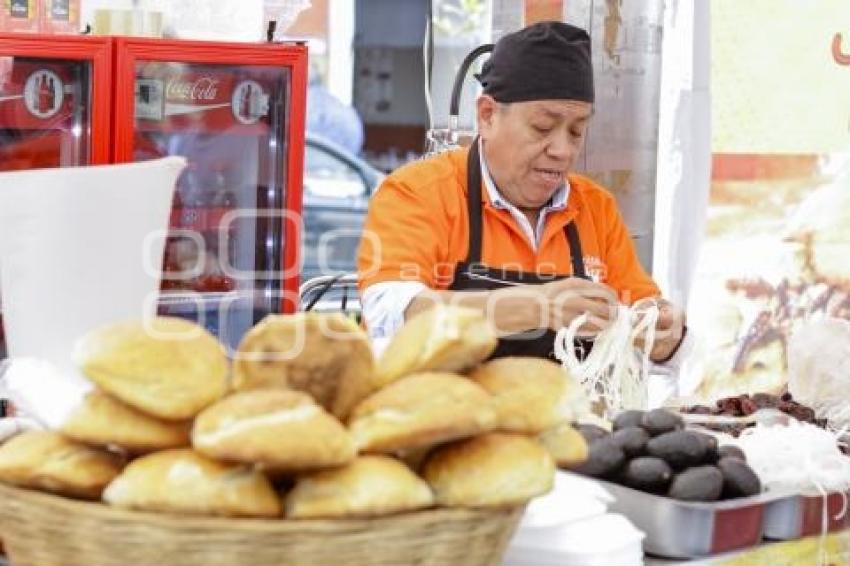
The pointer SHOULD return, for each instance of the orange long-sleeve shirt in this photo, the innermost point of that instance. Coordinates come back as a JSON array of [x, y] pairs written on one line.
[[417, 229]]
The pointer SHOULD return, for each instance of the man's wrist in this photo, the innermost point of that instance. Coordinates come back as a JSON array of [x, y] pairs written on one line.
[[672, 352]]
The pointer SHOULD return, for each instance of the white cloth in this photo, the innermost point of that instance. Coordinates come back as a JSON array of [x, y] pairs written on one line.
[[683, 178], [11, 426], [41, 391], [664, 379], [384, 303]]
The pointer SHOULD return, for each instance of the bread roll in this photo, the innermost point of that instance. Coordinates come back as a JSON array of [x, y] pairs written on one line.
[[280, 429], [168, 367], [324, 354], [530, 394], [183, 481], [443, 338], [104, 421], [566, 445], [48, 461], [369, 486], [493, 469], [420, 410]]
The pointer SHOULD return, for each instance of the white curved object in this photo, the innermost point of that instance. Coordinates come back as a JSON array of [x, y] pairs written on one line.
[[73, 251]]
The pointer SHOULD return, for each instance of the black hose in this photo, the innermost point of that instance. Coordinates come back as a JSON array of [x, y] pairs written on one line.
[[454, 106]]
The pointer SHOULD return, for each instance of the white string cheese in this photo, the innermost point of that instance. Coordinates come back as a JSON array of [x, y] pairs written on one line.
[[616, 370], [798, 457]]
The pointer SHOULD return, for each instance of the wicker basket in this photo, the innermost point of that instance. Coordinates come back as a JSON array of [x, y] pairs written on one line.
[[39, 529]]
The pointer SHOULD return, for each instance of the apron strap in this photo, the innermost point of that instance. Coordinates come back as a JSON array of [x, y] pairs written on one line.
[[575, 250], [473, 203]]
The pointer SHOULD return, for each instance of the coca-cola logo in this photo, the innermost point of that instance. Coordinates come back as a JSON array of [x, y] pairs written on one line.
[[249, 102], [205, 88], [43, 93]]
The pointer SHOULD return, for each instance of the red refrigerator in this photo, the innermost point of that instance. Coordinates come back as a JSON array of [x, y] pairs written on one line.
[[55, 104], [55, 101], [236, 112]]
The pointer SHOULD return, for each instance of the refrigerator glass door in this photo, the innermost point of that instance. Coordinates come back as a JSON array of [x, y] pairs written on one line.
[[224, 250], [45, 113]]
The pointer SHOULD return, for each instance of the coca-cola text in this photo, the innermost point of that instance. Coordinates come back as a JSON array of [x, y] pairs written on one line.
[[205, 88]]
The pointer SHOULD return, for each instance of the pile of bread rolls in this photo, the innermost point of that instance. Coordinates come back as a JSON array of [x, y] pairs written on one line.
[[305, 423]]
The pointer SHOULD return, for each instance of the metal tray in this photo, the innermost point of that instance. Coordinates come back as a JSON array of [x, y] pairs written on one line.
[[803, 515], [683, 529]]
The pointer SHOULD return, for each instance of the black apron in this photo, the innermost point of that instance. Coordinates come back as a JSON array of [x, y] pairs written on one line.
[[472, 275]]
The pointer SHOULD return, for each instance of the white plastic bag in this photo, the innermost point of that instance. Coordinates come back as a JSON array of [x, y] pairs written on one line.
[[21, 421], [226, 20], [819, 368], [222, 20], [284, 12], [44, 396]]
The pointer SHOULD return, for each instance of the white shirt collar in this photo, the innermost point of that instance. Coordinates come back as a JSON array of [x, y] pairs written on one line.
[[557, 202]]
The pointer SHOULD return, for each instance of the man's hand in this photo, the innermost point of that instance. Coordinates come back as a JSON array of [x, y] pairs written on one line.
[[520, 308], [669, 330], [570, 298]]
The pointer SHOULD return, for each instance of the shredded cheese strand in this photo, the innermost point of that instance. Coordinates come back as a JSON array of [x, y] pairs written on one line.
[[616, 371]]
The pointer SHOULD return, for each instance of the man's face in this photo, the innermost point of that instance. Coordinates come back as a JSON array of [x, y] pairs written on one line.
[[531, 146]]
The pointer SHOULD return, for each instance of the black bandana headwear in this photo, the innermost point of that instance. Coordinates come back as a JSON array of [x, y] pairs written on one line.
[[544, 61]]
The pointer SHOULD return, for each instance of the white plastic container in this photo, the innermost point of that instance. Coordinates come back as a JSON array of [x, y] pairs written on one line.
[[603, 540], [570, 526]]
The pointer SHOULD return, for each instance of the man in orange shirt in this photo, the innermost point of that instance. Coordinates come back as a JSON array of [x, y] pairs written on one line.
[[503, 226]]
